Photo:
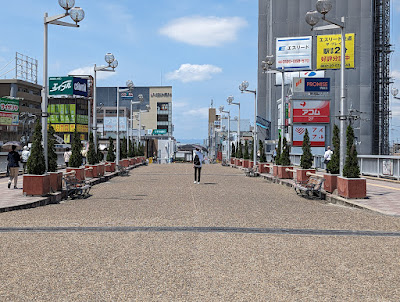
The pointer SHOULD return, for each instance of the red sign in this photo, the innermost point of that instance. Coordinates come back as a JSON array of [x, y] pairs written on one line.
[[316, 134], [311, 111]]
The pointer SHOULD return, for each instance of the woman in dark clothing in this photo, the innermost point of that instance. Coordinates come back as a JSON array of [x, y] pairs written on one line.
[[13, 159]]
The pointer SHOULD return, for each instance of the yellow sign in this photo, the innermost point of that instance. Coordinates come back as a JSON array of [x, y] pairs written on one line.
[[67, 138], [329, 51], [70, 128]]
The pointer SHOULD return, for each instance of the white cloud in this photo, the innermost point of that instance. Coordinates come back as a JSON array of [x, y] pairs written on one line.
[[193, 73], [204, 31], [395, 74], [198, 113], [179, 104], [89, 70]]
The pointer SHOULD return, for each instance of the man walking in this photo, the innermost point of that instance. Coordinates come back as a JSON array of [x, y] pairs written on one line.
[[25, 155], [67, 156], [197, 163], [13, 159], [327, 157]]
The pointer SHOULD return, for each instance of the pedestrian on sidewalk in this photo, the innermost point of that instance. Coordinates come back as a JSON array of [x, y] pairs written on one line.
[[13, 159], [327, 157], [24, 157], [197, 164], [67, 156]]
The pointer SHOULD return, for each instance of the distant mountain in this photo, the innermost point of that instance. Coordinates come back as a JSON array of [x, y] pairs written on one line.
[[197, 141]]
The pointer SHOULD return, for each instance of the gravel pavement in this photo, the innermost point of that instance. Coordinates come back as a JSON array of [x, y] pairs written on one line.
[[62, 265]]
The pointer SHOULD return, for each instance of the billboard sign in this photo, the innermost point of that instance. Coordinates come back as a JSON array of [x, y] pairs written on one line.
[[294, 53], [316, 134], [110, 124], [68, 86], [311, 84], [329, 51], [128, 95], [159, 131], [311, 111], [296, 74], [9, 112]]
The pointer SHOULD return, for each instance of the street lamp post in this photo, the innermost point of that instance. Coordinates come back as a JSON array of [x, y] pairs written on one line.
[[243, 88], [312, 18], [140, 97], [140, 121], [77, 14], [221, 109], [130, 86], [266, 66], [112, 64], [230, 101]]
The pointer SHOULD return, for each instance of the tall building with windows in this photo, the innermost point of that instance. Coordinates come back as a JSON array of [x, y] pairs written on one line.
[[367, 82]]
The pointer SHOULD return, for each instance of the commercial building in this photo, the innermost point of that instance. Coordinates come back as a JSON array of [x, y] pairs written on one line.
[[281, 27]]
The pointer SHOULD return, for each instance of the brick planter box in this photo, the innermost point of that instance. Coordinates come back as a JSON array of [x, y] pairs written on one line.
[[301, 174], [101, 169], [131, 161], [352, 187], [79, 172], [89, 172], [124, 162], [330, 183], [55, 181], [232, 160], [36, 185], [282, 174], [95, 173], [111, 167], [251, 164], [275, 170], [262, 168], [246, 163]]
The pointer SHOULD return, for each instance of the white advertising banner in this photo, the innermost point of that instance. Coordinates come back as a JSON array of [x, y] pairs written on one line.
[[294, 53], [316, 134], [296, 74], [110, 124]]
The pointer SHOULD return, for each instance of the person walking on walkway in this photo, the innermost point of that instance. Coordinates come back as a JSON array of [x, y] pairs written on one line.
[[67, 156], [327, 157], [24, 157], [197, 163], [13, 159]]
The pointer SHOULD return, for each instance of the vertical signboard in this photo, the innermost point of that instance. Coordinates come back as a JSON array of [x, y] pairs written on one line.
[[294, 53], [311, 111], [9, 112], [329, 51]]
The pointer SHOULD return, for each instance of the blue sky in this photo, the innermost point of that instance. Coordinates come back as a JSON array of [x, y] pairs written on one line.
[[204, 49]]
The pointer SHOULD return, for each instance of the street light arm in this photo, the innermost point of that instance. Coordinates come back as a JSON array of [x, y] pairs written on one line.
[[48, 20], [104, 68], [334, 23], [249, 91], [61, 23]]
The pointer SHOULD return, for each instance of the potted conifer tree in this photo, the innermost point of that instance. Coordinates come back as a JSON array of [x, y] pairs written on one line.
[[36, 182], [75, 162], [233, 154], [277, 157], [100, 159], [131, 155], [351, 185], [284, 161], [263, 159], [239, 155], [246, 155], [111, 155], [251, 157], [123, 153], [55, 176], [91, 159], [306, 160], [333, 167]]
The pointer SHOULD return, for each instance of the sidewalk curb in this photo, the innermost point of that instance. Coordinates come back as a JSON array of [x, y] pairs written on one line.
[[56, 198]]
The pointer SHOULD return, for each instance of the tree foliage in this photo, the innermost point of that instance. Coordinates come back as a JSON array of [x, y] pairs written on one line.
[[351, 168], [76, 158], [306, 159], [263, 158], [278, 152], [131, 152], [91, 155], [111, 150], [246, 150], [36, 162], [334, 164], [51, 149], [233, 151], [285, 157], [239, 153], [123, 150]]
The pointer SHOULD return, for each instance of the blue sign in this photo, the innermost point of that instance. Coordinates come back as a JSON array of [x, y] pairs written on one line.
[[317, 84], [80, 87]]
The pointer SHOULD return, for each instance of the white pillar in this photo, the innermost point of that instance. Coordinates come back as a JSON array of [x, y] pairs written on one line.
[[118, 147], [342, 102], [94, 124], [44, 92]]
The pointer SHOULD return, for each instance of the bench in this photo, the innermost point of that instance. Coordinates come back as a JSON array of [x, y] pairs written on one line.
[[252, 172], [310, 188], [122, 171], [75, 187]]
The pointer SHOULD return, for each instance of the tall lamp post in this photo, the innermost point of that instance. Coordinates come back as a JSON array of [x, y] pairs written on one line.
[[140, 100], [77, 14], [130, 86], [267, 68], [312, 18], [140, 121], [221, 109], [243, 88], [112, 64], [230, 101]]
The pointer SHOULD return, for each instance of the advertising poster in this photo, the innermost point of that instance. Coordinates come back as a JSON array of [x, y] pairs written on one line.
[[316, 134], [329, 51], [294, 53], [311, 111], [9, 112], [110, 124]]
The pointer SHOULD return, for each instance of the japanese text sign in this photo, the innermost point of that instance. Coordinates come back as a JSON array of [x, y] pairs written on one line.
[[329, 51], [311, 84], [316, 134], [311, 111], [294, 53], [68, 86], [9, 112]]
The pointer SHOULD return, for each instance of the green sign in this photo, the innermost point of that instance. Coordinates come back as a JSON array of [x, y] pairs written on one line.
[[9, 112], [159, 131], [61, 86], [62, 113]]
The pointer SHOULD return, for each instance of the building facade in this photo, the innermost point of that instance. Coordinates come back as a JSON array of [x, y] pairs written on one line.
[[367, 82]]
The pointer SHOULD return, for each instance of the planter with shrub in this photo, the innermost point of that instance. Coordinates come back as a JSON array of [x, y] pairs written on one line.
[[75, 162], [333, 167], [306, 160], [284, 162]]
